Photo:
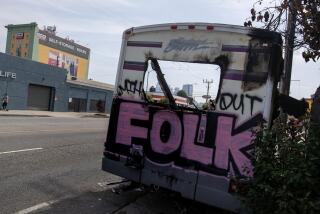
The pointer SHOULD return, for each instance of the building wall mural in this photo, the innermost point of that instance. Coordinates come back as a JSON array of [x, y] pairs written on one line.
[[28, 41], [75, 65], [56, 51], [19, 45]]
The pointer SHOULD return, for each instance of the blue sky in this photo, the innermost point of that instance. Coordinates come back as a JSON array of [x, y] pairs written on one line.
[[99, 25]]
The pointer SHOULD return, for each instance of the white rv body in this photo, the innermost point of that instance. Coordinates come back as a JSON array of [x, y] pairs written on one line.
[[202, 151]]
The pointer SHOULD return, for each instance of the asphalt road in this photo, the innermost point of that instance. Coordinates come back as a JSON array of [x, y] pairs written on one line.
[[50, 160], [52, 165]]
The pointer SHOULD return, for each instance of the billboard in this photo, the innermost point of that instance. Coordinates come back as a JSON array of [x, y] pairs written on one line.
[[63, 53]]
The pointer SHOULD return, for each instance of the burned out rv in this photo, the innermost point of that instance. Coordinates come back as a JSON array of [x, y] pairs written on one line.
[[188, 150]]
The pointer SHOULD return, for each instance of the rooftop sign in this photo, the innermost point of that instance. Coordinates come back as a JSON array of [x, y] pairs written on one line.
[[53, 41]]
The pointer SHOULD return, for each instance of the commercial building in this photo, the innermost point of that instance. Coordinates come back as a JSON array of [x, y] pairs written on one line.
[[42, 71], [37, 86], [158, 88], [188, 88], [28, 41]]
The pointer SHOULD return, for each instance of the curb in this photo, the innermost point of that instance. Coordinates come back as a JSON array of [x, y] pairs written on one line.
[[95, 116], [22, 115], [43, 115]]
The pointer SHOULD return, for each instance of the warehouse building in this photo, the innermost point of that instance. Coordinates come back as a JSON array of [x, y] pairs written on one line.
[[36, 86], [43, 45], [42, 71]]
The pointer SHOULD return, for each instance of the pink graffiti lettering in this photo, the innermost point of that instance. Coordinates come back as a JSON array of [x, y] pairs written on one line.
[[226, 143], [202, 128], [125, 131], [168, 134], [175, 132], [189, 149]]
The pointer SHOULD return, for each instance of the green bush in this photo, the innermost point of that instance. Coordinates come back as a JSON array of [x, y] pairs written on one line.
[[286, 169], [164, 101]]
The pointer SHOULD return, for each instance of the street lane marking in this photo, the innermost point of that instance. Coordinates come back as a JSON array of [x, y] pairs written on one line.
[[42, 205], [36, 207], [53, 130], [22, 150], [33, 208]]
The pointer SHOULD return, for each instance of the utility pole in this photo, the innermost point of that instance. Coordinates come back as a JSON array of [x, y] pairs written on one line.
[[208, 87], [289, 43]]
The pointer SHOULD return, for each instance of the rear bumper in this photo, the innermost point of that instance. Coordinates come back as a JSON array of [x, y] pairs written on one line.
[[199, 186]]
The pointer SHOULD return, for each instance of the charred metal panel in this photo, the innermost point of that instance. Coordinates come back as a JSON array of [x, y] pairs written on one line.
[[213, 190], [119, 168], [170, 177]]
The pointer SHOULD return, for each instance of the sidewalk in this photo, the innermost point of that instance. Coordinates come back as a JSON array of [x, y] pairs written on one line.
[[29, 113]]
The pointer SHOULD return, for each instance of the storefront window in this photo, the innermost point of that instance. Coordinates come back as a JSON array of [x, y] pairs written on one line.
[[97, 105]]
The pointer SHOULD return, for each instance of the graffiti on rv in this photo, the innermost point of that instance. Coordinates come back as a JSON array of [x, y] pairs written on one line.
[[182, 44], [176, 137], [130, 86], [238, 101]]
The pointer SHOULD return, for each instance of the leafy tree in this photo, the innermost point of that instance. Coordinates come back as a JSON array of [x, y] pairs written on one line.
[[205, 106], [149, 98], [152, 89], [273, 16], [182, 93], [190, 100], [315, 108]]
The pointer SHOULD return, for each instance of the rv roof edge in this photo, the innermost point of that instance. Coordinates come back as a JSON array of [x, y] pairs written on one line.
[[202, 26]]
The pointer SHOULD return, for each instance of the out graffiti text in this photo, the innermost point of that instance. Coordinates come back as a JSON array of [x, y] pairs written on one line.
[[238, 102]]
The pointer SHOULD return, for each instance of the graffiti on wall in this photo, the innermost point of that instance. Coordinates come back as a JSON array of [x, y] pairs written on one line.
[[130, 86], [180, 137], [238, 101], [182, 44]]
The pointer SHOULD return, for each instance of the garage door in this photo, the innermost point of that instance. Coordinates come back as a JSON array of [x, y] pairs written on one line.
[[39, 97]]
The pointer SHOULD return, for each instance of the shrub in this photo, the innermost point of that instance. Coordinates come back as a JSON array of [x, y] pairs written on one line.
[[286, 169]]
